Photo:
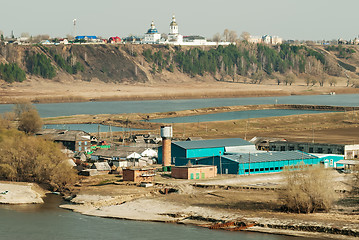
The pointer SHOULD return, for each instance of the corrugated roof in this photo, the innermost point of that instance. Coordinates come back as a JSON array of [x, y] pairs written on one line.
[[268, 156], [227, 142]]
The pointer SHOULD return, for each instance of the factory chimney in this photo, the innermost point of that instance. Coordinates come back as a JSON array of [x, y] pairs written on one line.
[[166, 135]]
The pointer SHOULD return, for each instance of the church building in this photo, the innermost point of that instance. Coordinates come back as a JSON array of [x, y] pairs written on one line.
[[174, 36], [152, 36]]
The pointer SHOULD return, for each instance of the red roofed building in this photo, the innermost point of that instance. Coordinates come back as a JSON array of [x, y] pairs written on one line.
[[114, 40]]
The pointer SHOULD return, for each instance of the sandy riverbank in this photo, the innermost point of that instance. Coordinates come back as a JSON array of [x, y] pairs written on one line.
[[20, 193], [221, 200], [45, 91]]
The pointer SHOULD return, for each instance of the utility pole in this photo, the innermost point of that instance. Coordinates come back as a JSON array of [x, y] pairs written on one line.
[[312, 132], [249, 163], [220, 161]]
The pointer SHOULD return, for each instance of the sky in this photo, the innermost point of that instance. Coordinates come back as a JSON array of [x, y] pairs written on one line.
[[289, 19]]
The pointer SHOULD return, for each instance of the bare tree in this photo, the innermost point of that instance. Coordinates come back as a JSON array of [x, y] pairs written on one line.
[[25, 35], [232, 36], [217, 37], [313, 81], [289, 79], [234, 72], [226, 35], [332, 81], [321, 80], [307, 189], [245, 36]]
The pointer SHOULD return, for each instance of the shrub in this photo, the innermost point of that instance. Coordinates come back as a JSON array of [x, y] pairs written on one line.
[[30, 122], [33, 159], [307, 190]]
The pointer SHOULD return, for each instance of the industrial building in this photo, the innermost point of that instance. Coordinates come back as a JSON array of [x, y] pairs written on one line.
[[307, 147], [260, 162], [184, 150], [194, 172]]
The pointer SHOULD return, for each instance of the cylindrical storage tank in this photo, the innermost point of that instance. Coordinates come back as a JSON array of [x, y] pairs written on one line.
[[166, 134], [166, 152], [166, 131]]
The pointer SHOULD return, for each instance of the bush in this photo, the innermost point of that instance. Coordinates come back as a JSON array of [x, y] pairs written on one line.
[[307, 190], [33, 159], [30, 122]]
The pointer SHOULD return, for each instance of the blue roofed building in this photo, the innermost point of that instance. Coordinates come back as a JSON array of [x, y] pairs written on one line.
[[152, 36], [183, 151], [260, 162], [86, 39]]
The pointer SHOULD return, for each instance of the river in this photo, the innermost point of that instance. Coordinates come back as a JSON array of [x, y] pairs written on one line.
[[47, 221], [149, 106]]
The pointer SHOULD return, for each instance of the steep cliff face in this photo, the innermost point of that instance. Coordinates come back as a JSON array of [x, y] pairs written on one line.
[[106, 63], [127, 63]]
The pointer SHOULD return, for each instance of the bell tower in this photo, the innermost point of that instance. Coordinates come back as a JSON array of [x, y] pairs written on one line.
[[173, 26]]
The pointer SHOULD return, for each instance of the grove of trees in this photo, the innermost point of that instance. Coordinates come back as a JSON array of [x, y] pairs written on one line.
[[25, 157], [243, 59], [11, 72], [39, 64]]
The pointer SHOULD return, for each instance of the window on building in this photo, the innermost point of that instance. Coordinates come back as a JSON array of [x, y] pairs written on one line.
[[330, 150], [266, 169], [311, 150], [282, 148], [301, 149], [277, 168], [281, 168], [80, 143], [85, 142], [80, 149], [320, 150], [291, 148], [273, 148], [246, 170], [257, 170], [262, 169], [271, 168]]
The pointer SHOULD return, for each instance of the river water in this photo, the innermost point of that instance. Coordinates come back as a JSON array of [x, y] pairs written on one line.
[[47, 221], [149, 106]]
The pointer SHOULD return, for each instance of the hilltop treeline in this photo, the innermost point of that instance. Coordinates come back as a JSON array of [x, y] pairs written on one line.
[[247, 60]]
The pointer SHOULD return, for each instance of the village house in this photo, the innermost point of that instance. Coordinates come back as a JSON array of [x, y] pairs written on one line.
[[139, 174], [75, 140], [114, 40]]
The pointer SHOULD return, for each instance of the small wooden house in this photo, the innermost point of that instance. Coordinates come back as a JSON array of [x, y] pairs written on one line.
[[139, 174]]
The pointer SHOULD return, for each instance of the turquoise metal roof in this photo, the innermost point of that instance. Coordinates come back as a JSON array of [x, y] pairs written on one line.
[[269, 156], [227, 142]]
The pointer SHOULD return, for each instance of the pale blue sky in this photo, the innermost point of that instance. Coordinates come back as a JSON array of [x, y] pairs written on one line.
[[290, 19]]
